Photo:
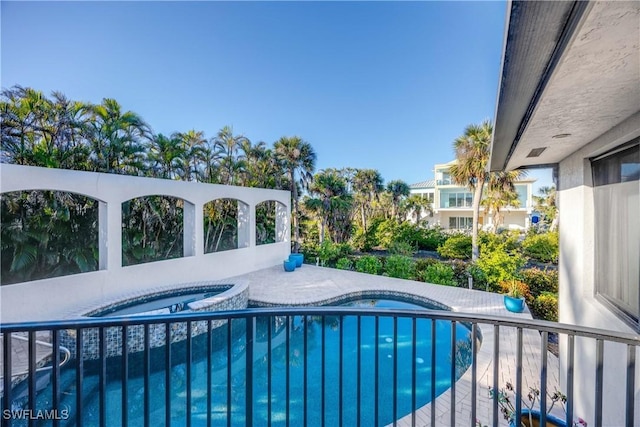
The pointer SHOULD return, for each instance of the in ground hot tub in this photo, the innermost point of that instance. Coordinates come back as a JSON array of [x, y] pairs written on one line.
[[180, 298]]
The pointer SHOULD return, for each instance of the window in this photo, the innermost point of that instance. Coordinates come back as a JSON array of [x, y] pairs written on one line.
[[451, 198], [616, 177], [460, 223]]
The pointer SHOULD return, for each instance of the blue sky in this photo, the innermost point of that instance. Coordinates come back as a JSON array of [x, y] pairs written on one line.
[[383, 85]]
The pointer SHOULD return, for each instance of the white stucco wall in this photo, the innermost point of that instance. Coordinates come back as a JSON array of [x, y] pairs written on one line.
[[47, 299], [578, 304]]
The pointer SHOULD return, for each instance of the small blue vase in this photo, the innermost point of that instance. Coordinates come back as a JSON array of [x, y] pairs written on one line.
[[298, 258], [289, 264], [514, 305]]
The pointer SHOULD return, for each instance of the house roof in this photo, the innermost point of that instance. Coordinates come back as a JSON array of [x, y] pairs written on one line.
[[569, 74], [430, 183]]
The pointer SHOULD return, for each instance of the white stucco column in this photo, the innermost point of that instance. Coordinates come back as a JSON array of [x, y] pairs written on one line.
[[114, 235], [252, 225], [189, 229], [244, 225], [103, 230], [199, 229]]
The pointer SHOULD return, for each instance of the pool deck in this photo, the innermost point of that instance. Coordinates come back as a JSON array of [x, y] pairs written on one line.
[[311, 285]]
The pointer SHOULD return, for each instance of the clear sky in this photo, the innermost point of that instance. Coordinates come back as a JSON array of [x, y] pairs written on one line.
[[383, 85]]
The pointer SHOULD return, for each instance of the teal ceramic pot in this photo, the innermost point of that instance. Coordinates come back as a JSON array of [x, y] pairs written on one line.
[[298, 258], [289, 264], [535, 418], [515, 305]]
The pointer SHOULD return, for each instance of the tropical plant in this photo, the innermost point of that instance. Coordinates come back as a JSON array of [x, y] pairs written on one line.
[[298, 159], [457, 246], [415, 205], [332, 203], [546, 204], [368, 264], [116, 138], [367, 186], [501, 194], [470, 169], [545, 306], [499, 265], [399, 266], [398, 190], [540, 281], [438, 273], [344, 263], [542, 247]]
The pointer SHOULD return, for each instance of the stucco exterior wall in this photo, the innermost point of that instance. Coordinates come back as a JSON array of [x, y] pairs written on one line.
[[578, 304], [46, 299]]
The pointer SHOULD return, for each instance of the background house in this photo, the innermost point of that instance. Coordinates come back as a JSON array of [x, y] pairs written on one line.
[[453, 204], [570, 97]]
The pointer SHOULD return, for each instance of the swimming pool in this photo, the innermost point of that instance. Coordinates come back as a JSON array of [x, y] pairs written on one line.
[[308, 336]]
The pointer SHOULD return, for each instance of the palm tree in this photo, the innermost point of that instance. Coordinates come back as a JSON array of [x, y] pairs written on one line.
[[398, 189], [501, 193], [332, 203], [166, 154], [472, 155], [297, 158], [193, 145], [416, 204], [546, 204], [228, 146], [116, 138], [367, 186]]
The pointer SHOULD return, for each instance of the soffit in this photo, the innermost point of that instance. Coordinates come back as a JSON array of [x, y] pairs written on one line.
[[594, 86]]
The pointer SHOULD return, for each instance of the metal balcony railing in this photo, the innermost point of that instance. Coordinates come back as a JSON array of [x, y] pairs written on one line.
[[282, 366]]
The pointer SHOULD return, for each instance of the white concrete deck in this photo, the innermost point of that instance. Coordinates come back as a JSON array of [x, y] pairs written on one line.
[[311, 285]]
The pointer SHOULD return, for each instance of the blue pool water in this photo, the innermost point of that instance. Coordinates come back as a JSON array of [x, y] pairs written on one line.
[[330, 331]]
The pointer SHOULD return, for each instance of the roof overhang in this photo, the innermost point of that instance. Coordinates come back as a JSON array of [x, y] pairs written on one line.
[[570, 72]]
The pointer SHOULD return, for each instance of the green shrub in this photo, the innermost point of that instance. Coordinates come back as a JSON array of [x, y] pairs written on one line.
[[478, 276], [545, 306], [542, 247], [344, 264], [399, 266], [457, 246], [509, 239], [540, 281], [499, 265], [431, 239], [369, 264], [460, 272], [329, 253], [398, 247], [422, 263], [386, 232], [439, 273], [365, 241]]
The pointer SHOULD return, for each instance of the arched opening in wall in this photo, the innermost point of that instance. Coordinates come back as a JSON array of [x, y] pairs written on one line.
[[47, 234], [226, 225], [266, 222], [152, 229]]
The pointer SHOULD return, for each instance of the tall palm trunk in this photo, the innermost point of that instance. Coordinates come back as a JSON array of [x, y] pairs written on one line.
[[296, 228], [477, 195]]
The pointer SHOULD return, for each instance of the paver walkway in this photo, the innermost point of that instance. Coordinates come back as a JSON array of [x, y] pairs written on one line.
[[311, 285]]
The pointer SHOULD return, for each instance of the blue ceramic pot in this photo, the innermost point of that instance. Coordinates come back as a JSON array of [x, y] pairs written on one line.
[[289, 264], [535, 417], [298, 258], [515, 305]]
